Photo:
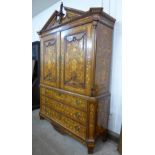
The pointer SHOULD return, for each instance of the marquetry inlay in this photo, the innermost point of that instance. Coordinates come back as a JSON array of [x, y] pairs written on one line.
[[91, 120], [71, 112], [50, 61], [68, 123], [75, 58], [65, 98]]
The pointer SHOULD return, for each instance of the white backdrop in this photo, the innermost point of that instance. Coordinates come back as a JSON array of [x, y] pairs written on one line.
[[114, 8]]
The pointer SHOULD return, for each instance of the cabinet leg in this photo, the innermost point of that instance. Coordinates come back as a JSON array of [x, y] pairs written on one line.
[[59, 129], [104, 137], [90, 148], [41, 117]]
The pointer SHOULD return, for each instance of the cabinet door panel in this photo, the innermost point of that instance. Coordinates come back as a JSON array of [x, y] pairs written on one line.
[[50, 60], [76, 59]]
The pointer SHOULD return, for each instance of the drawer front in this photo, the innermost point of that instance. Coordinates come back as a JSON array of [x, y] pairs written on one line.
[[65, 98], [71, 112], [73, 126]]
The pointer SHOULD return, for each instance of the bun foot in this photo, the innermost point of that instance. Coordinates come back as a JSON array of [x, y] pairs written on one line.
[[105, 138], [90, 148], [58, 129], [41, 117]]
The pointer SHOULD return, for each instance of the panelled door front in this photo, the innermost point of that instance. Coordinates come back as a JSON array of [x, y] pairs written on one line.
[[50, 60], [76, 57]]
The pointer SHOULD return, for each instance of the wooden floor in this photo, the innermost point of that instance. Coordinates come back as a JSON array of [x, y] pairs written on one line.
[[47, 141]]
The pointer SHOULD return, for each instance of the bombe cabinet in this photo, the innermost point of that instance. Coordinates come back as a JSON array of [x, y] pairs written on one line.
[[75, 67]]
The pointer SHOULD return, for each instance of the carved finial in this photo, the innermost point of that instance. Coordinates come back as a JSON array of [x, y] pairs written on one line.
[[61, 14], [61, 7]]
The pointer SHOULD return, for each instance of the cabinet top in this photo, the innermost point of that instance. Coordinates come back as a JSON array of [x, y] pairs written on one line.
[[93, 14]]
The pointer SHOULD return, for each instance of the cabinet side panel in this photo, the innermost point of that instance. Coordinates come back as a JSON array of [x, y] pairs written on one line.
[[103, 58], [103, 112]]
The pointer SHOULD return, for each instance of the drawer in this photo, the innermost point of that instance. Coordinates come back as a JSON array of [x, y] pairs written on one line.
[[65, 98], [73, 126], [67, 110]]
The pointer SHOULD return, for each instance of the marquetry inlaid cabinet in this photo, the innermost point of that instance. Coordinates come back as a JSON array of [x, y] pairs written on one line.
[[76, 49]]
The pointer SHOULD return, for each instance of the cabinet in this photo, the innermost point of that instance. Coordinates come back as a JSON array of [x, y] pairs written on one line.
[[75, 67]]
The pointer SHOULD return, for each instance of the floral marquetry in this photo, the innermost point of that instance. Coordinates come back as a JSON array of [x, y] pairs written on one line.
[[68, 123], [76, 60], [68, 99], [77, 115], [50, 61]]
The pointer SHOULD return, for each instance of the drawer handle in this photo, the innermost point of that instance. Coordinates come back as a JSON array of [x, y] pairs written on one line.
[[77, 115], [77, 128], [59, 117], [46, 91], [77, 102], [60, 95]]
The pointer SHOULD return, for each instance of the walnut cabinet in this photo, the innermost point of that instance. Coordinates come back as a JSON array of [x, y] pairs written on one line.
[[75, 66]]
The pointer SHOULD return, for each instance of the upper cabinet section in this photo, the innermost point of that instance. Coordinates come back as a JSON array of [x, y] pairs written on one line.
[[74, 15], [74, 49]]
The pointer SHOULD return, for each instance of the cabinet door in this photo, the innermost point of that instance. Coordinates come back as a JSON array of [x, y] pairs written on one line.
[[76, 55], [50, 60]]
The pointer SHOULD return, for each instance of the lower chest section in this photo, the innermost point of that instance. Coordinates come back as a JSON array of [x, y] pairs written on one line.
[[83, 117], [68, 111]]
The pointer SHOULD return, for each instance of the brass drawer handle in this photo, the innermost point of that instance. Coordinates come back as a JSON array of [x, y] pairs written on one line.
[[46, 100], [77, 114], [77, 102], [47, 91], [59, 116], [77, 128], [59, 94]]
